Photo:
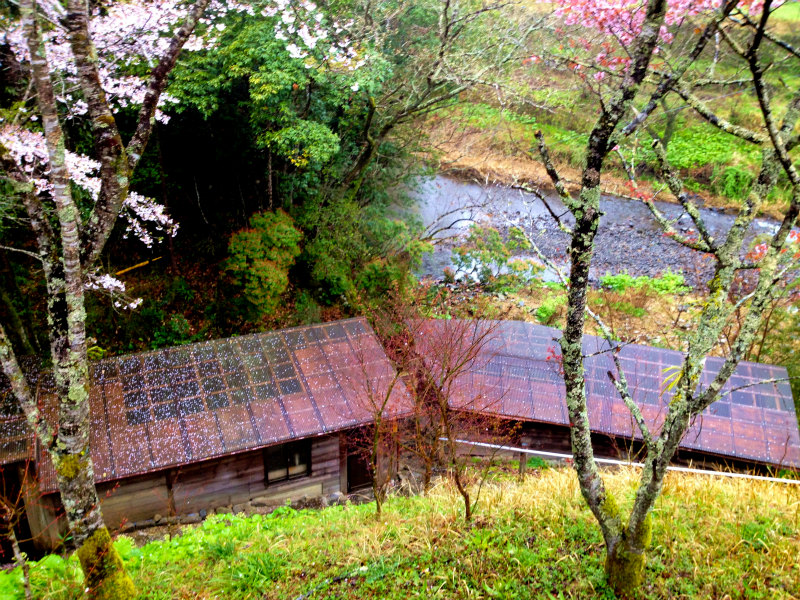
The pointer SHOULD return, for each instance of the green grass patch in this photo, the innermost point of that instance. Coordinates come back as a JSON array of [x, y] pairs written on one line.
[[532, 539], [667, 283]]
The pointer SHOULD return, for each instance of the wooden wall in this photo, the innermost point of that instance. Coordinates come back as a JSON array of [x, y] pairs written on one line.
[[230, 480]]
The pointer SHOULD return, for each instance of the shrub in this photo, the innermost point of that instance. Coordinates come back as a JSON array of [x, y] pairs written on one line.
[[667, 283], [259, 258], [549, 309], [733, 183], [486, 255]]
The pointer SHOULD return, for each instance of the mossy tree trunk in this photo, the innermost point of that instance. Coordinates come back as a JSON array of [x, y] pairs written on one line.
[[67, 253]]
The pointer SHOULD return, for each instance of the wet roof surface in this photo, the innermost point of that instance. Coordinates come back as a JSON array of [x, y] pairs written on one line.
[[14, 432], [190, 403], [757, 423]]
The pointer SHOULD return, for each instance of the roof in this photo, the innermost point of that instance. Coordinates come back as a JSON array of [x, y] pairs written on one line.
[[182, 405], [757, 423], [14, 432]]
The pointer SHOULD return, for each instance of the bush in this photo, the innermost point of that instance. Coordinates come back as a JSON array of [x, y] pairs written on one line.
[[667, 283], [733, 183], [260, 257], [486, 255], [547, 313]]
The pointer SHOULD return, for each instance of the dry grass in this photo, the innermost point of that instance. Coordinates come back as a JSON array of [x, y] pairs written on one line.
[[713, 538]]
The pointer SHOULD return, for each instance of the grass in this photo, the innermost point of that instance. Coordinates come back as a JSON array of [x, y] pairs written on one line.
[[713, 538]]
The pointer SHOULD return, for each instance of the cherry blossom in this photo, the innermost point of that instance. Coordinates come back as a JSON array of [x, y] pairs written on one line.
[[115, 288], [147, 220], [622, 20]]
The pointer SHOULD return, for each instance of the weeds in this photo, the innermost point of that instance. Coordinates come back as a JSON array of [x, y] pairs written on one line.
[[713, 538]]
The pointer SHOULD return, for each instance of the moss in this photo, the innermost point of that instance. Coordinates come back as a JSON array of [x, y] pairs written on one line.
[[69, 466], [609, 506], [625, 565], [625, 570], [106, 578]]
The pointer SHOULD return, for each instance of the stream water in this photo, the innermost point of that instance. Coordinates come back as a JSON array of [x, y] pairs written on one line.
[[628, 238]]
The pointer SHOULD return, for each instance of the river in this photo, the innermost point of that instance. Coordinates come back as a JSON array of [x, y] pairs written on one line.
[[628, 238]]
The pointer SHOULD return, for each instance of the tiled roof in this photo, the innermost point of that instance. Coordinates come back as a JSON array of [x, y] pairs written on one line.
[[757, 423], [186, 404]]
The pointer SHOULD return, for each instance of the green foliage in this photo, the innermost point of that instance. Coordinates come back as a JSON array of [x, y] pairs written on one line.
[[733, 182], [667, 283], [518, 550], [536, 462], [487, 255], [547, 312], [302, 143], [354, 248], [485, 116], [307, 309], [259, 258], [174, 332]]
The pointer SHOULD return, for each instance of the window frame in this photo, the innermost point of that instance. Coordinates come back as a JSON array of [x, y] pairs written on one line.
[[286, 453]]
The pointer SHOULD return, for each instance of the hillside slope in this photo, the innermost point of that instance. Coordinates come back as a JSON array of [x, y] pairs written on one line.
[[713, 538]]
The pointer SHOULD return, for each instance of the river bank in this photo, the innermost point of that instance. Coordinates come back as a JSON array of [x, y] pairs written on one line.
[[628, 238]]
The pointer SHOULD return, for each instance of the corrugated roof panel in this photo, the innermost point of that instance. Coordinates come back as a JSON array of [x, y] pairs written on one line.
[[170, 407], [757, 422]]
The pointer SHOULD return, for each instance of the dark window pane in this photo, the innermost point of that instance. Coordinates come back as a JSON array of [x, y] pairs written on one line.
[[154, 362], [763, 401], [204, 352], [275, 464], [216, 401], [139, 416], [276, 354], [182, 373], [190, 406], [176, 358], [184, 390], [230, 363], [136, 399], [106, 371], [290, 386], [241, 395], [160, 395], [165, 411], [129, 366], [213, 384], [295, 340], [284, 370], [207, 369], [355, 327], [316, 334], [252, 361], [720, 409], [134, 382], [260, 375], [237, 380], [250, 345], [335, 331], [265, 391]]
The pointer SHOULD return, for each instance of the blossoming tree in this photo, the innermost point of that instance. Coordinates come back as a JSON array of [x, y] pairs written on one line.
[[631, 81], [88, 64]]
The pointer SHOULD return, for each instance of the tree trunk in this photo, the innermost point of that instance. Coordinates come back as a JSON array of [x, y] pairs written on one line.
[[625, 569]]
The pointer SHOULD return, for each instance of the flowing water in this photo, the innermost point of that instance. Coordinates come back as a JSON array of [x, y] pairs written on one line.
[[628, 238]]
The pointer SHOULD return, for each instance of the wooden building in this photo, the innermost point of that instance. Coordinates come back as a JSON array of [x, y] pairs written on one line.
[[516, 376], [255, 418], [265, 418]]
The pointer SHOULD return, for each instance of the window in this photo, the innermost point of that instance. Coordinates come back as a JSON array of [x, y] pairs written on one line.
[[287, 461]]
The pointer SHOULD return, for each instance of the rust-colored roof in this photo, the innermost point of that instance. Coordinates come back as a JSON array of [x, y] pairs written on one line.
[[186, 404], [757, 423], [14, 432]]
